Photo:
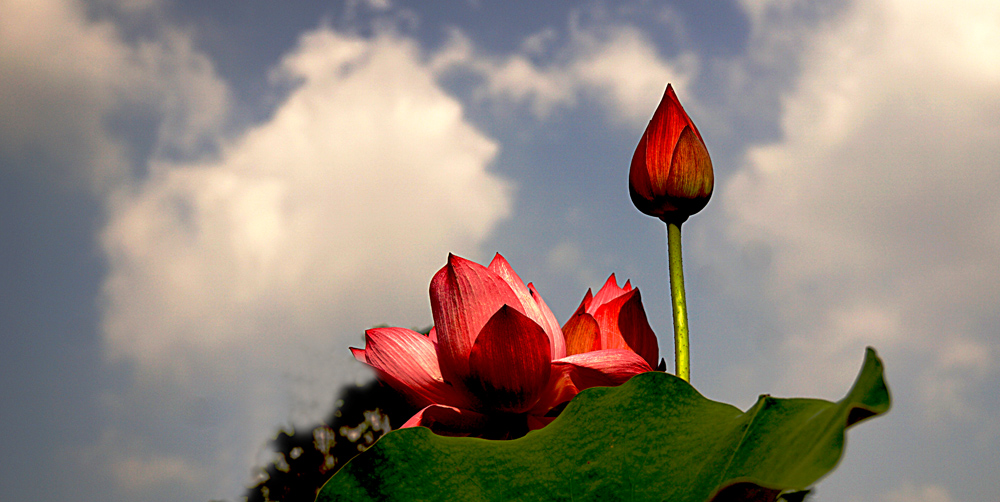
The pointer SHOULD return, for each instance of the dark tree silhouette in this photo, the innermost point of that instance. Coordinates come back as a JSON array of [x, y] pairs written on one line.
[[305, 459]]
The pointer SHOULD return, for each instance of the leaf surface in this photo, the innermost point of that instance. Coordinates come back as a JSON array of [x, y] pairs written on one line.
[[654, 438]]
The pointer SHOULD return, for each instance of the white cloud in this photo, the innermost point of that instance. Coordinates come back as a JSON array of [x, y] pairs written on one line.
[[70, 82], [66, 75], [355, 189], [922, 493], [880, 199], [59, 80], [248, 275], [617, 64], [193, 101]]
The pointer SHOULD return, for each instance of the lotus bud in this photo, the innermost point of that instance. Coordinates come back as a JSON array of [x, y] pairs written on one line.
[[671, 175]]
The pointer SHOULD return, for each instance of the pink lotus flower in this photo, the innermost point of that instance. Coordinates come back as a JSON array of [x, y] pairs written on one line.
[[496, 362]]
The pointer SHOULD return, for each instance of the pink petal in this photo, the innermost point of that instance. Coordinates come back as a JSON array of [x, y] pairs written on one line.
[[501, 267], [533, 305], [599, 368], [608, 292], [607, 318], [583, 334], [557, 338], [406, 361], [624, 326], [448, 420], [585, 304], [635, 329], [558, 390], [464, 295], [602, 367], [510, 363]]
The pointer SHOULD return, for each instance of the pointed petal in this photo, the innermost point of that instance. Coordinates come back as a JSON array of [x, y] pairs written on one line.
[[501, 267], [583, 334], [608, 292], [624, 326], [557, 338], [448, 420], [359, 354], [607, 318], [668, 121], [634, 328], [406, 361], [531, 302], [585, 304], [464, 295], [432, 334], [510, 363]]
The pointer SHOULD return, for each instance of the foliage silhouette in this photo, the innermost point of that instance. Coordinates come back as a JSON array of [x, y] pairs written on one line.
[[304, 460]]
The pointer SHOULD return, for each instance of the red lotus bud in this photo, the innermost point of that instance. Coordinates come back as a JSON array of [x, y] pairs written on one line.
[[671, 175]]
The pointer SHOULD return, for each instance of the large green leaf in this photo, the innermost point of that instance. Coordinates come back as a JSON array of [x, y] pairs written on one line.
[[653, 438]]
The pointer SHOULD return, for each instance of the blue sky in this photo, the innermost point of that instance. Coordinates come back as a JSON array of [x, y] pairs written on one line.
[[205, 203]]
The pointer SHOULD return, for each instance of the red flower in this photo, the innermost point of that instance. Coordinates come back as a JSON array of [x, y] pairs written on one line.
[[614, 319], [671, 175], [495, 364]]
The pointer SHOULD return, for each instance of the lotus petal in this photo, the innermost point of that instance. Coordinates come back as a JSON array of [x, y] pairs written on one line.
[[608, 292], [406, 360], [464, 296], [550, 325], [510, 363], [599, 368], [583, 334], [624, 325], [533, 305], [448, 420]]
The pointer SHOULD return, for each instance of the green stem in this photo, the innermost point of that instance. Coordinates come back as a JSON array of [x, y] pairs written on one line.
[[682, 349]]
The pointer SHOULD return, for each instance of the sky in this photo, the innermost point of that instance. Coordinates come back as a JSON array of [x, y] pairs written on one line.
[[204, 204]]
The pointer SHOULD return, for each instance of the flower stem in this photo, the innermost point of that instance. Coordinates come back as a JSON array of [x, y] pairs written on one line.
[[682, 349]]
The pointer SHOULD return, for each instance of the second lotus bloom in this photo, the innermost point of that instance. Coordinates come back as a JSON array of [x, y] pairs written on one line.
[[497, 355]]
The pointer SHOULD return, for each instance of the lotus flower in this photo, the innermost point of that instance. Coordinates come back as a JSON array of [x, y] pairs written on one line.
[[495, 364], [671, 175], [614, 319]]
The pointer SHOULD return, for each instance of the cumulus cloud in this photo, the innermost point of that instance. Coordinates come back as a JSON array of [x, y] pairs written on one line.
[[241, 274], [878, 203], [59, 80], [65, 78], [81, 106], [617, 64], [363, 179]]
